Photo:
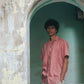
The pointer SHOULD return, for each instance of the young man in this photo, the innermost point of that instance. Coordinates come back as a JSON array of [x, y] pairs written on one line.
[[54, 55]]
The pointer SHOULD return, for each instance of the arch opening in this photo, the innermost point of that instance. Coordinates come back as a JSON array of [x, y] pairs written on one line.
[[72, 33]]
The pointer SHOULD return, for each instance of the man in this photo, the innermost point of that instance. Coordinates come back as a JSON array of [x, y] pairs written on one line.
[[54, 55]]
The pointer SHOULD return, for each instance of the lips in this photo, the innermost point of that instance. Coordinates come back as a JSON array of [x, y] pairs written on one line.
[[50, 32]]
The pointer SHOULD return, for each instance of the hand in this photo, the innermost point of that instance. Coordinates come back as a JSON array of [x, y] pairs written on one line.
[[61, 78], [43, 77]]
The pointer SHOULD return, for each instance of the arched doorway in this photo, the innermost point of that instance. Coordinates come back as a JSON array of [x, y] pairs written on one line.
[[72, 45]]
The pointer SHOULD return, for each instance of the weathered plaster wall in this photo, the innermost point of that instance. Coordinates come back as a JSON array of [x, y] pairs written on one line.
[[15, 39], [13, 62]]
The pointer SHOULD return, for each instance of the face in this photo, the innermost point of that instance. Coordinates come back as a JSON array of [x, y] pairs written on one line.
[[51, 30]]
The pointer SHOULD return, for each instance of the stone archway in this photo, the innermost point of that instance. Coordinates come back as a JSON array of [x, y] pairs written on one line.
[[38, 4]]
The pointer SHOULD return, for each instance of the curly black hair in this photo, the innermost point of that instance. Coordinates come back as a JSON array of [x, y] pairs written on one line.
[[51, 22]]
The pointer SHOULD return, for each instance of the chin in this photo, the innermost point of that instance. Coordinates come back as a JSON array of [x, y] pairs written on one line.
[[50, 35]]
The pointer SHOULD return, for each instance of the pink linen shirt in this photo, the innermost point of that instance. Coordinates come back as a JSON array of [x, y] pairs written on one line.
[[52, 56]]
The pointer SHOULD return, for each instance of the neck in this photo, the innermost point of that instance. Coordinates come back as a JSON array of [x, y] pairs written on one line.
[[52, 37]]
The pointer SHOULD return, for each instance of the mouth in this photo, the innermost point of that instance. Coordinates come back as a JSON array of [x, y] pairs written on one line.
[[50, 32]]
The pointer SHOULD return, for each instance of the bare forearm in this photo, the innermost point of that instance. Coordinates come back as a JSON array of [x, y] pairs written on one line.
[[65, 66]]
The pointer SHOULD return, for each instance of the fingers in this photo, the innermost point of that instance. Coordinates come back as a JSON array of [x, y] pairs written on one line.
[[62, 81]]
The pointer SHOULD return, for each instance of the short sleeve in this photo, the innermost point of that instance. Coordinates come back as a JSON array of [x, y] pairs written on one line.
[[66, 48]]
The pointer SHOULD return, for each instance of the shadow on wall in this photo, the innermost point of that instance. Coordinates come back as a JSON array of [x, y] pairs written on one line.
[[71, 30]]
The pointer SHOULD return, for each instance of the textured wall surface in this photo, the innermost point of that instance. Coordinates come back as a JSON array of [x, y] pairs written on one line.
[[14, 39], [13, 62]]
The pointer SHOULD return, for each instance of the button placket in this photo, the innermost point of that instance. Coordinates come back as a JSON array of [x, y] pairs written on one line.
[[49, 57]]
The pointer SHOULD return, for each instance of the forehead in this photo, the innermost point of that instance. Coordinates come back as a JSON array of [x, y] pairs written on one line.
[[51, 26]]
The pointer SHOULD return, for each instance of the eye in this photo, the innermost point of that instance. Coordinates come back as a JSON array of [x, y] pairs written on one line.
[[48, 28], [53, 27]]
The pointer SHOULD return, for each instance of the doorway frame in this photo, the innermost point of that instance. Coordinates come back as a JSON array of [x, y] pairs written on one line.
[[35, 6]]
